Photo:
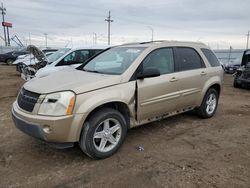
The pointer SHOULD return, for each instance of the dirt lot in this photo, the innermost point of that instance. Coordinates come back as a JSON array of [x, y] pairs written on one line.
[[182, 151]]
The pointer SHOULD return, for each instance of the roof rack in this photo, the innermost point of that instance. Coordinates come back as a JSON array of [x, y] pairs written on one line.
[[160, 41], [145, 42]]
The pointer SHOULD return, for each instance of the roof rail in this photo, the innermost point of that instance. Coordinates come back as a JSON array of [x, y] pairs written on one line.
[[145, 42], [154, 41], [159, 41]]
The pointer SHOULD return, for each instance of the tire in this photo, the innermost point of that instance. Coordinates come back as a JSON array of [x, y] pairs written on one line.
[[94, 133], [236, 85], [207, 112], [9, 61]]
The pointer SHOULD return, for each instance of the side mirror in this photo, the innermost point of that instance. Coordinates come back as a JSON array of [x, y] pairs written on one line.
[[148, 73]]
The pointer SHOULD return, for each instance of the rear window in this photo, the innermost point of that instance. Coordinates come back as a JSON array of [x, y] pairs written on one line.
[[212, 59]]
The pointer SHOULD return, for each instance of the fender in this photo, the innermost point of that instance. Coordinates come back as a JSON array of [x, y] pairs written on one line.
[[210, 82], [87, 102]]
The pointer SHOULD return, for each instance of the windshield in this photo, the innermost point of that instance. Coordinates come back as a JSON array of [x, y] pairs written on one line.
[[113, 61], [55, 56]]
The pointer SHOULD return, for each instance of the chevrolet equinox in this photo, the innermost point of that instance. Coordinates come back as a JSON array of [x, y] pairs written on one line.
[[123, 87]]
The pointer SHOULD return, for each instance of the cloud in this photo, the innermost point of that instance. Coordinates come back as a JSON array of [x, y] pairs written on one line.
[[223, 22]]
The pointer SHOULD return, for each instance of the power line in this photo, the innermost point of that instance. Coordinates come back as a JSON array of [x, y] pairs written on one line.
[[108, 19], [128, 21]]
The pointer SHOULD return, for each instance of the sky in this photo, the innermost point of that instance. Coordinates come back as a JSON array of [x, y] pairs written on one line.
[[219, 24]]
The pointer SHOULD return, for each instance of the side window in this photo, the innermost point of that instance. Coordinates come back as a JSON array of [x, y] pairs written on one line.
[[93, 52], [69, 58], [82, 56], [76, 57], [212, 59], [161, 59], [188, 59], [96, 51]]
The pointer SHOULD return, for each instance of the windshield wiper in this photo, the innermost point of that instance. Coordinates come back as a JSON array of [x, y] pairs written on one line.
[[91, 71]]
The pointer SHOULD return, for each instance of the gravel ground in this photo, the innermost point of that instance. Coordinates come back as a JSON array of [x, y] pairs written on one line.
[[181, 151]]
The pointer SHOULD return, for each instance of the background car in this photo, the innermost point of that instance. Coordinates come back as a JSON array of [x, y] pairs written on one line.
[[232, 66], [10, 57], [29, 59], [68, 58], [242, 76]]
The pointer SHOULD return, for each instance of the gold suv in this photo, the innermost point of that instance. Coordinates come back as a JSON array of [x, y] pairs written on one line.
[[121, 88]]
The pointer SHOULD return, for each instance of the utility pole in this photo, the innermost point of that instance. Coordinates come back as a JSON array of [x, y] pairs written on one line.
[[230, 51], [8, 37], [248, 34], [152, 33], [94, 38], [46, 42], [108, 19], [3, 12], [29, 39]]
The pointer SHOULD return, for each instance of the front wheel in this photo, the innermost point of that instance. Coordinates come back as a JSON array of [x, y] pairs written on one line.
[[209, 104], [236, 85], [103, 133]]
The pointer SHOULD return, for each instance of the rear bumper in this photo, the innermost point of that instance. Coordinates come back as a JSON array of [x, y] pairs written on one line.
[[230, 71]]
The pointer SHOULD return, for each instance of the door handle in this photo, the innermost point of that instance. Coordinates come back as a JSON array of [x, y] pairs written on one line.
[[173, 79], [203, 73]]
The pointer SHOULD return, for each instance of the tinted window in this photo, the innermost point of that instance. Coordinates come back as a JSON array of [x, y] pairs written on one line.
[[161, 59], [94, 52], [188, 59], [57, 55], [76, 57], [212, 59]]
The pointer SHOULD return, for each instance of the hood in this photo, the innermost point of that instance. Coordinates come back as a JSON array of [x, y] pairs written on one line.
[[47, 70], [37, 53], [71, 79]]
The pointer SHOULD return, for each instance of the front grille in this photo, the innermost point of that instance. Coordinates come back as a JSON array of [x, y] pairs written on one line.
[[26, 100]]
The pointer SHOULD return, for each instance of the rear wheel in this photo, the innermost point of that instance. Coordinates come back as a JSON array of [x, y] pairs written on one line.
[[9, 61], [103, 133], [209, 104]]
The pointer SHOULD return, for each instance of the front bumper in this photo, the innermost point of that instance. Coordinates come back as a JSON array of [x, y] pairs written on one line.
[[31, 129], [243, 82], [63, 129]]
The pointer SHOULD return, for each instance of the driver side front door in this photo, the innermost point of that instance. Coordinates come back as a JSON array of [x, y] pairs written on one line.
[[158, 96]]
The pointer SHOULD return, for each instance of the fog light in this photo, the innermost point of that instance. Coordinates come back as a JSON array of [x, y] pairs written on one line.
[[47, 129]]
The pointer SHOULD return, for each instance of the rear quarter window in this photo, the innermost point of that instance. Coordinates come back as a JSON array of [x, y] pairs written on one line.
[[212, 59]]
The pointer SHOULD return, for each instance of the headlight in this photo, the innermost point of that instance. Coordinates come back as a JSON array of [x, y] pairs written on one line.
[[58, 104]]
